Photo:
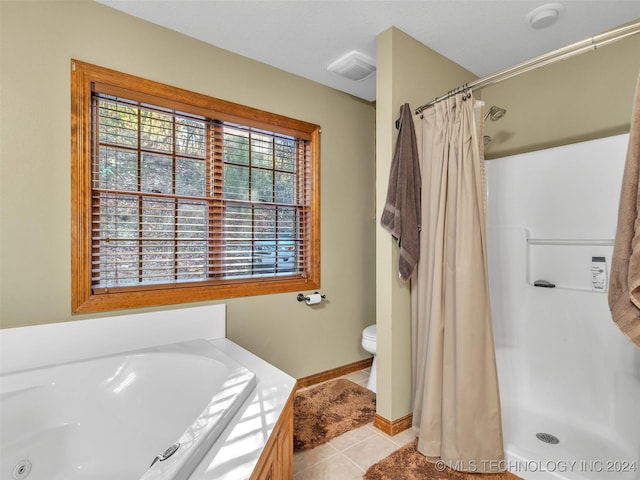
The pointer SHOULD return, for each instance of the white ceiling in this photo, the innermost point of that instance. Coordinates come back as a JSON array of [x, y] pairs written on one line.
[[304, 36]]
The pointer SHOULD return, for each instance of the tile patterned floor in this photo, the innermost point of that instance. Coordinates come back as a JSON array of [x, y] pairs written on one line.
[[348, 456]]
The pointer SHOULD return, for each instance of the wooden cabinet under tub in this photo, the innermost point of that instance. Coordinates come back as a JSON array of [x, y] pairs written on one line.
[[276, 460]]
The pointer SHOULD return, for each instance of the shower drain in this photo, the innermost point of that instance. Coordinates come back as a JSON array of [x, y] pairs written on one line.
[[22, 470], [547, 438]]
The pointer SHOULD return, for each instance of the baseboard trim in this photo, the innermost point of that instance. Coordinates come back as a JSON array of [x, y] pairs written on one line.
[[392, 427], [334, 373]]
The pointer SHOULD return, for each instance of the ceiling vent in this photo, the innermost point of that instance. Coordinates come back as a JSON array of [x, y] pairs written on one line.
[[354, 66]]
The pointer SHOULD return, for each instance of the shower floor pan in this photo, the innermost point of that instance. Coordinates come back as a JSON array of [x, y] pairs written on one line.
[[580, 454]]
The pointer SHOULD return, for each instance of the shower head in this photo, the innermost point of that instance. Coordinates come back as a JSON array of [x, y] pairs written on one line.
[[495, 113]]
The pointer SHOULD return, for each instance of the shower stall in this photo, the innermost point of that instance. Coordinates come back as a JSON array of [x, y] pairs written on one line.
[[569, 379]]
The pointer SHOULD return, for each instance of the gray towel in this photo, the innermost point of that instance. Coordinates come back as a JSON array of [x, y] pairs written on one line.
[[401, 215], [624, 283]]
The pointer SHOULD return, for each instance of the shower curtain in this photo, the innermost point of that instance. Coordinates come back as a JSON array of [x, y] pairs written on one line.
[[456, 413]]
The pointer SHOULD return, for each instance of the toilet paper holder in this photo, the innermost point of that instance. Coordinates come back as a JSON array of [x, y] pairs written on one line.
[[302, 297]]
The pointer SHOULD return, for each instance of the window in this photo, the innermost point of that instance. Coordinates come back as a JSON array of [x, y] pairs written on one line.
[[180, 197]]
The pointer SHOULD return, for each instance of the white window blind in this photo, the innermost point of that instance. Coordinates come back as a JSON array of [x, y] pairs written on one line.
[[179, 198]]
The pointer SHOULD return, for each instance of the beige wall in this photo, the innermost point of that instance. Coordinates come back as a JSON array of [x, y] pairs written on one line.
[[407, 72], [38, 39], [582, 98]]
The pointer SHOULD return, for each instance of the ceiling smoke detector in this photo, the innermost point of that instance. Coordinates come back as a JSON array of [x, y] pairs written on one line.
[[544, 16], [354, 66]]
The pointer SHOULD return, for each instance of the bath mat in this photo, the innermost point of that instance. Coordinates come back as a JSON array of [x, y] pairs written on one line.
[[408, 464], [322, 413]]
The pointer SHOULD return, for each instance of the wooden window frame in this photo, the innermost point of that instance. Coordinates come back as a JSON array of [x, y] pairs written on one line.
[[84, 77]]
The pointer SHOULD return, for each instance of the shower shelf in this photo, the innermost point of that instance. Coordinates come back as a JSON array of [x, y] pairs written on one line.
[[568, 269], [571, 241], [567, 287]]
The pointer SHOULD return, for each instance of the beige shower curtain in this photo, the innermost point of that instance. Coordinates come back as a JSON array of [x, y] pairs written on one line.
[[456, 412]]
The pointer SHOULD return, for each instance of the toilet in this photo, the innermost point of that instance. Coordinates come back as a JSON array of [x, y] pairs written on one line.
[[369, 344]]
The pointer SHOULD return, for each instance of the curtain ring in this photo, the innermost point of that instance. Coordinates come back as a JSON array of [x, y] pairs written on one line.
[[467, 92]]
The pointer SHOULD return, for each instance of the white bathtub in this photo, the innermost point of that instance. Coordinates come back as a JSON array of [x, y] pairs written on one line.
[[107, 418]]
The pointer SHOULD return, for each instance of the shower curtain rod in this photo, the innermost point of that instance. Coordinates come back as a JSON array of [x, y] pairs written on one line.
[[546, 59]]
